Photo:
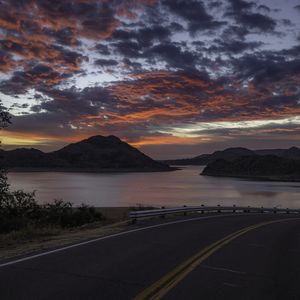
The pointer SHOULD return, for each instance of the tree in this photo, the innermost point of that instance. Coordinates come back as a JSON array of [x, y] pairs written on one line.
[[4, 121], [15, 206], [4, 116]]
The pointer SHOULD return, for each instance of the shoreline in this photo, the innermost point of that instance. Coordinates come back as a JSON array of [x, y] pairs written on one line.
[[89, 170], [254, 178]]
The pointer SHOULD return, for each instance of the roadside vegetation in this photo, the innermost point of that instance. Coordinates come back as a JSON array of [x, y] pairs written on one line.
[[19, 211], [26, 225]]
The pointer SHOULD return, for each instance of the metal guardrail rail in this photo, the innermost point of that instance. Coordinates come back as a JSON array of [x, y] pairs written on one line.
[[134, 215]]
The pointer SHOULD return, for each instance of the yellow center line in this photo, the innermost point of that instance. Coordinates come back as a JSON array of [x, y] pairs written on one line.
[[162, 286]]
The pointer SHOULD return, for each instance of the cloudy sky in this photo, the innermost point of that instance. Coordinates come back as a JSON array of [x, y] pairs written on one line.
[[175, 78]]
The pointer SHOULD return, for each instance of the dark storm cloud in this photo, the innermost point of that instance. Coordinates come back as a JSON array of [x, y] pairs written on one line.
[[67, 57], [102, 49], [36, 76], [240, 5], [47, 124], [65, 36], [78, 102], [176, 27], [144, 36], [244, 14], [256, 21], [297, 7], [235, 33], [215, 4], [42, 64], [194, 13], [105, 62], [128, 48], [233, 46], [139, 43], [173, 55], [96, 18], [264, 8], [269, 68], [132, 65], [293, 52]]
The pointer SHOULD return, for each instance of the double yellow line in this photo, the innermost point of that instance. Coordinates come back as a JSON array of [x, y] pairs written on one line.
[[161, 287]]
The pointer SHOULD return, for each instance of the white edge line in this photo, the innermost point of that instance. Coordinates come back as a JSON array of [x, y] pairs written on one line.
[[111, 236]]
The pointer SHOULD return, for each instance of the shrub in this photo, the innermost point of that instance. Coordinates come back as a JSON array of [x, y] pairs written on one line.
[[19, 210]]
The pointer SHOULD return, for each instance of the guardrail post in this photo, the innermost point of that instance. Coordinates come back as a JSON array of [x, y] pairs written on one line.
[[262, 210], [185, 211], [247, 210], [202, 211], [275, 210], [163, 215], [233, 208], [219, 211], [287, 210]]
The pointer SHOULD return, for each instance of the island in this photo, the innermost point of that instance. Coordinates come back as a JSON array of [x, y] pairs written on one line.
[[266, 167], [95, 154]]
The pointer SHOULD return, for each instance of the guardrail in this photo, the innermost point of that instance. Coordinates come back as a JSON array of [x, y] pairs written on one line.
[[134, 215]]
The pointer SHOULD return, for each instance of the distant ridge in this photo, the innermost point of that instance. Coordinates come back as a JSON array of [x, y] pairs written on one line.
[[270, 167], [231, 154], [97, 153]]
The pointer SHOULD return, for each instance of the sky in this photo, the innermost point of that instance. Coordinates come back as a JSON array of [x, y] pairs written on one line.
[[175, 78]]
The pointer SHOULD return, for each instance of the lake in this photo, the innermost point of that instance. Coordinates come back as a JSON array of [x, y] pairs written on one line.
[[183, 187]]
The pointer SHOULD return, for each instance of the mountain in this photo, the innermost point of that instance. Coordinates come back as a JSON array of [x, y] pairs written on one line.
[[97, 153], [235, 153], [292, 153], [269, 167]]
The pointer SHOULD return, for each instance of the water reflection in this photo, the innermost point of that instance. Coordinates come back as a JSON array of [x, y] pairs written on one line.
[[260, 193], [183, 187]]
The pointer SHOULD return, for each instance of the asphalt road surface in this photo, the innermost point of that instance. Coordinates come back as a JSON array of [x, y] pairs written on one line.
[[216, 257]]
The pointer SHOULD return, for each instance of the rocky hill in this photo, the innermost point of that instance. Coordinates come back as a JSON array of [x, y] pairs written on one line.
[[269, 167], [97, 153]]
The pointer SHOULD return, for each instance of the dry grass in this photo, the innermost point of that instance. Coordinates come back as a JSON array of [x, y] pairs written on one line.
[[33, 239]]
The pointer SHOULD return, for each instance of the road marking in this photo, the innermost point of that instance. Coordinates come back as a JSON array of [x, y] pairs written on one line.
[[162, 286], [230, 284], [12, 262], [224, 270]]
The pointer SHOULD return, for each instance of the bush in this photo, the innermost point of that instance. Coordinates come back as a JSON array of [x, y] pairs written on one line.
[[19, 210], [63, 214]]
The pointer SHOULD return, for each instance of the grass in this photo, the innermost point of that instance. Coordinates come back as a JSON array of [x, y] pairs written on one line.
[[31, 239]]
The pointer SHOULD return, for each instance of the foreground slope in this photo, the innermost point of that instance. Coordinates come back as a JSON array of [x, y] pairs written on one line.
[[261, 264]]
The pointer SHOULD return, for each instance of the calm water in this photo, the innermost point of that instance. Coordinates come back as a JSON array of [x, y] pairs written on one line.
[[184, 187]]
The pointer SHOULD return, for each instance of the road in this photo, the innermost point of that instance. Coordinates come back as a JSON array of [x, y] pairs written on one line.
[[217, 257]]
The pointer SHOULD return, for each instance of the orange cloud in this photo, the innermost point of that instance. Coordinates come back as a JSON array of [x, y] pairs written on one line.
[[168, 140]]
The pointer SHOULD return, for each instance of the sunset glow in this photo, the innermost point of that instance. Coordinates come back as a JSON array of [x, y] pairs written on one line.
[[200, 74]]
